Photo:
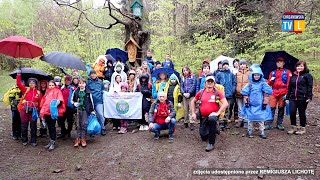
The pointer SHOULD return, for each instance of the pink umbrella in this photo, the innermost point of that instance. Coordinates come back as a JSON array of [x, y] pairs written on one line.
[[20, 47]]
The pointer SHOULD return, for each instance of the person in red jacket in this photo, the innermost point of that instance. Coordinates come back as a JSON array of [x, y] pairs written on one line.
[[67, 91], [28, 104], [52, 93], [279, 81]]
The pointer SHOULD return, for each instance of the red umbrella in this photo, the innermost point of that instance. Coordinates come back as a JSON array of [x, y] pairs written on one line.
[[20, 47]]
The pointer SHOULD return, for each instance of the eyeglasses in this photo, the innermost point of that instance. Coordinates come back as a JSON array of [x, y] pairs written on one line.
[[210, 81]]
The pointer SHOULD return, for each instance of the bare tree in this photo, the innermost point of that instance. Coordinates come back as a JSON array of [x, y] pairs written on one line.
[[133, 25]]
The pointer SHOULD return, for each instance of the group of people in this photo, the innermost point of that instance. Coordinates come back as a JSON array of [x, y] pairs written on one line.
[[213, 97]]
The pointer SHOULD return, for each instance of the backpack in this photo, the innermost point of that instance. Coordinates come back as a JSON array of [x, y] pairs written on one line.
[[22, 99], [284, 76], [216, 94]]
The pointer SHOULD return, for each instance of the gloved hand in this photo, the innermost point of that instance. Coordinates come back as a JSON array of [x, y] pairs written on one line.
[[44, 123], [188, 95], [179, 105], [308, 100], [273, 78], [264, 106], [93, 112], [246, 105], [76, 104]]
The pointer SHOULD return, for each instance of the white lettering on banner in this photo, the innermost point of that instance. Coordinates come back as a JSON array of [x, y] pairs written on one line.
[[122, 105]]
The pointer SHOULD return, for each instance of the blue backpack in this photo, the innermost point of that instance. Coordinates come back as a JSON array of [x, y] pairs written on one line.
[[284, 76]]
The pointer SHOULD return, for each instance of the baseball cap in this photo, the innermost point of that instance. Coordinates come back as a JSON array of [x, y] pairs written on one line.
[[210, 77]]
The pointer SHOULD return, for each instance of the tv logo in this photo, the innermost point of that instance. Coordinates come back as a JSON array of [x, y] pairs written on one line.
[[293, 22]]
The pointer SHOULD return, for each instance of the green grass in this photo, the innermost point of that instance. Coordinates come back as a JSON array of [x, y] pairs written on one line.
[[6, 82]]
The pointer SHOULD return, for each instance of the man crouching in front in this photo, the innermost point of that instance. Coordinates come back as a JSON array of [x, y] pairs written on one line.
[[161, 116]]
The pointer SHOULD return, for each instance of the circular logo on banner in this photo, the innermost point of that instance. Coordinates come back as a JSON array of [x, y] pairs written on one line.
[[122, 107]]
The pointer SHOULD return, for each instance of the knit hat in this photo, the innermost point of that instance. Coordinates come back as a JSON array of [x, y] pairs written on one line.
[[106, 82], [225, 62], [34, 80], [157, 62], [118, 65], [57, 79], [93, 71], [243, 61]]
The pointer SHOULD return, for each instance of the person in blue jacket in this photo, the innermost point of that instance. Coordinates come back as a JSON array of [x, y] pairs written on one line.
[[227, 79], [168, 62], [202, 79], [96, 87], [256, 98]]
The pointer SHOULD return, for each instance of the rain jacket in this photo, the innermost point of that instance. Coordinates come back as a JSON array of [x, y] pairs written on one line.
[[12, 97], [158, 86], [67, 92], [188, 85], [254, 93], [242, 80], [30, 97], [99, 67], [122, 73], [155, 111], [201, 81], [168, 64], [51, 94], [145, 89], [108, 71], [177, 97], [281, 83], [228, 80], [300, 86], [96, 88]]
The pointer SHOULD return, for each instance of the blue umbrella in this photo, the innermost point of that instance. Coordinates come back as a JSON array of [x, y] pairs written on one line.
[[63, 59], [110, 58], [168, 71], [118, 53], [268, 63]]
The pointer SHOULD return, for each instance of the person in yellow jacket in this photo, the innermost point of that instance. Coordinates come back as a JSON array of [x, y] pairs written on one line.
[[12, 98], [174, 95]]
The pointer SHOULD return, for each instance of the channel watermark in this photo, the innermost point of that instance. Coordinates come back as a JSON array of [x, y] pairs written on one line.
[[253, 172]]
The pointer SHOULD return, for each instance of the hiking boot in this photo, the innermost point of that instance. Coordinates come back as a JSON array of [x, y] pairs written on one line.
[[114, 128], [52, 146], [48, 145], [77, 142], [103, 132], [250, 134], [123, 130], [268, 127], [263, 135], [24, 143], [229, 121], [156, 136], [301, 131], [245, 125], [141, 128], [186, 125], [236, 121], [146, 128], [170, 138], [280, 127], [238, 124], [191, 127], [292, 130], [34, 144], [209, 147], [83, 143], [15, 138]]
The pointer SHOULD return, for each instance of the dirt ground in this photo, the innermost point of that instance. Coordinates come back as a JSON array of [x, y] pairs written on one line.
[[138, 156]]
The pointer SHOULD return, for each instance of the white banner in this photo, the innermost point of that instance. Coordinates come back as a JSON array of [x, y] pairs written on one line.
[[122, 105]]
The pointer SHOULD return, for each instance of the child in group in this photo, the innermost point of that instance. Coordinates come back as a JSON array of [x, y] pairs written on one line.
[[42, 89], [106, 85], [46, 113], [159, 85], [188, 90], [138, 74], [82, 100], [115, 86], [202, 79], [119, 70], [123, 122], [256, 99], [146, 69], [145, 88], [174, 95], [132, 81]]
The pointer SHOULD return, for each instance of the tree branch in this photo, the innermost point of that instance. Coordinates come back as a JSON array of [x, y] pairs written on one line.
[[82, 13]]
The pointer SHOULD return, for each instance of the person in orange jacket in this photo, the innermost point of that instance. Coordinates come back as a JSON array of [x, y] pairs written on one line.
[[28, 105], [279, 81], [52, 93]]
